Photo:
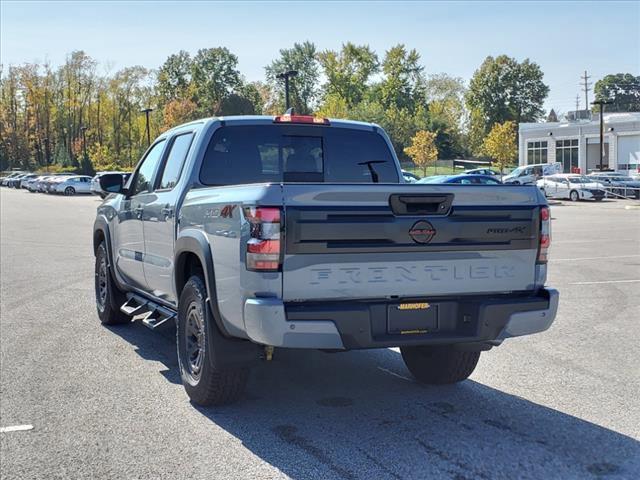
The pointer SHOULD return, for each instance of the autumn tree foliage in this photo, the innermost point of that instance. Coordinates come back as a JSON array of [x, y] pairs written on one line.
[[423, 150], [44, 109], [501, 145]]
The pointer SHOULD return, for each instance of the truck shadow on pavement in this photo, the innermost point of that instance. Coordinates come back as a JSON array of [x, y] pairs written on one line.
[[360, 415]]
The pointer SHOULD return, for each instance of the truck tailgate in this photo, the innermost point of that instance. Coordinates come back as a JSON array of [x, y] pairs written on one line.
[[348, 241]]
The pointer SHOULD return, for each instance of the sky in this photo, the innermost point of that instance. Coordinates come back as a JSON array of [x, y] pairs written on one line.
[[564, 38]]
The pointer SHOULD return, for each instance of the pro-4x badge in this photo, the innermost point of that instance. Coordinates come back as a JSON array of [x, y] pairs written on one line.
[[422, 232]]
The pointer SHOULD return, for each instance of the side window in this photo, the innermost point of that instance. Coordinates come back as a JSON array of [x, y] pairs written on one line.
[[175, 160], [144, 175]]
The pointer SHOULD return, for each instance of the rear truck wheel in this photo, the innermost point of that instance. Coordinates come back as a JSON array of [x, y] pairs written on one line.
[[574, 196], [69, 191], [205, 383], [108, 297], [440, 364]]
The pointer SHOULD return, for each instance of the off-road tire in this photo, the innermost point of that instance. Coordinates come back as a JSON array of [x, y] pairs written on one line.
[[438, 365], [205, 384], [108, 297]]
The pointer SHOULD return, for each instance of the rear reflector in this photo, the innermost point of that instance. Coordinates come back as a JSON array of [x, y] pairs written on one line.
[[301, 119], [545, 235], [264, 246]]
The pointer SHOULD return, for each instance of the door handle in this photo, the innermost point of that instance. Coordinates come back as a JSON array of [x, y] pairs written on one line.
[[167, 211]]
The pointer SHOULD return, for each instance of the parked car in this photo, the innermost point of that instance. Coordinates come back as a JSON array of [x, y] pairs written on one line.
[[5, 180], [529, 174], [324, 248], [51, 183], [483, 171], [618, 183], [410, 177], [95, 182], [573, 187], [14, 182], [41, 183], [32, 183], [463, 179], [73, 185], [26, 178]]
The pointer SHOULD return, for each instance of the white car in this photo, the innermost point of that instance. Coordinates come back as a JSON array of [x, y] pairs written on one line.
[[529, 174], [73, 185], [571, 186]]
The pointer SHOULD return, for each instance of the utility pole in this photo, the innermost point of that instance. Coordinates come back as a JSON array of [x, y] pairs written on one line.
[[285, 76], [586, 87], [601, 103], [147, 111], [577, 104]]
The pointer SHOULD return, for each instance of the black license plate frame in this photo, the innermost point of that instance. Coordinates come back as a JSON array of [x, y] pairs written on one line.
[[412, 318]]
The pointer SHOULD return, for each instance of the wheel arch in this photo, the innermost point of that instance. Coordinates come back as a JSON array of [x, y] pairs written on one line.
[[192, 245]]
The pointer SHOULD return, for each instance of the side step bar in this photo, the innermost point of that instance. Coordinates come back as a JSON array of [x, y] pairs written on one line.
[[153, 316]]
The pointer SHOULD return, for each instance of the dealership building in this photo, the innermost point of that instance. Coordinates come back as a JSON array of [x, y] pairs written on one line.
[[576, 143]]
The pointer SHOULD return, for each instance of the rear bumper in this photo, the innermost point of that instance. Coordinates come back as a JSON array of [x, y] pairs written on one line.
[[363, 324]]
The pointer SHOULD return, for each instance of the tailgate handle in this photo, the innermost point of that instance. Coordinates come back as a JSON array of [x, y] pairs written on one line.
[[421, 204]]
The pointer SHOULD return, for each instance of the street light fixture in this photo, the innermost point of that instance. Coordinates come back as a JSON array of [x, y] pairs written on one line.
[[286, 76], [146, 112], [601, 103]]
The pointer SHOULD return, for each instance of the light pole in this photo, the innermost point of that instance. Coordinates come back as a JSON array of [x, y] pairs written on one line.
[[286, 76], [601, 103], [146, 112]]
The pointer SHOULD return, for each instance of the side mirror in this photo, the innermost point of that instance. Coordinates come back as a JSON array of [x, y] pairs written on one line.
[[112, 183]]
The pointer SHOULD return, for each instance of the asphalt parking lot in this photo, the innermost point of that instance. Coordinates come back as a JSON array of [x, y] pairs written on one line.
[[107, 402]]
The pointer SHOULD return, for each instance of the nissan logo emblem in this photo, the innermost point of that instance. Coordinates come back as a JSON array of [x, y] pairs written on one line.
[[422, 232]]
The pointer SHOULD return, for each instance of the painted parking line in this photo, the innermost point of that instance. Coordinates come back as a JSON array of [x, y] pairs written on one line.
[[386, 370], [592, 258], [606, 281], [16, 428]]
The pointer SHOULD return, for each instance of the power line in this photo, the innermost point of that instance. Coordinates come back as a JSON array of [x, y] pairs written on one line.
[[586, 88]]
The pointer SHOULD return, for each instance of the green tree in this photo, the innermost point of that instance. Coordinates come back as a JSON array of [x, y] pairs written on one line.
[[302, 57], [501, 145], [348, 72], [334, 106], [174, 78], [503, 89], [423, 150], [404, 82], [215, 75], [447, 113], [623, 89]]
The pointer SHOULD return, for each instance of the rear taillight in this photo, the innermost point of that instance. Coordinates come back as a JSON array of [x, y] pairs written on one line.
[[264, 246], [545, 235]]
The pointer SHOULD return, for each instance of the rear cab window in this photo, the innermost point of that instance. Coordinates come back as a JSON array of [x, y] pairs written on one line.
[[242, 154]]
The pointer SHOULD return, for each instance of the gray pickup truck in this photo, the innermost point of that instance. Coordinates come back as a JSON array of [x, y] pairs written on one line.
[[299, 232]]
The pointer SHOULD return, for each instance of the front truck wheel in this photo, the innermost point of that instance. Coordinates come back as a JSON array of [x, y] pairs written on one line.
[[108, 298], [205, 383], [439, 364]]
